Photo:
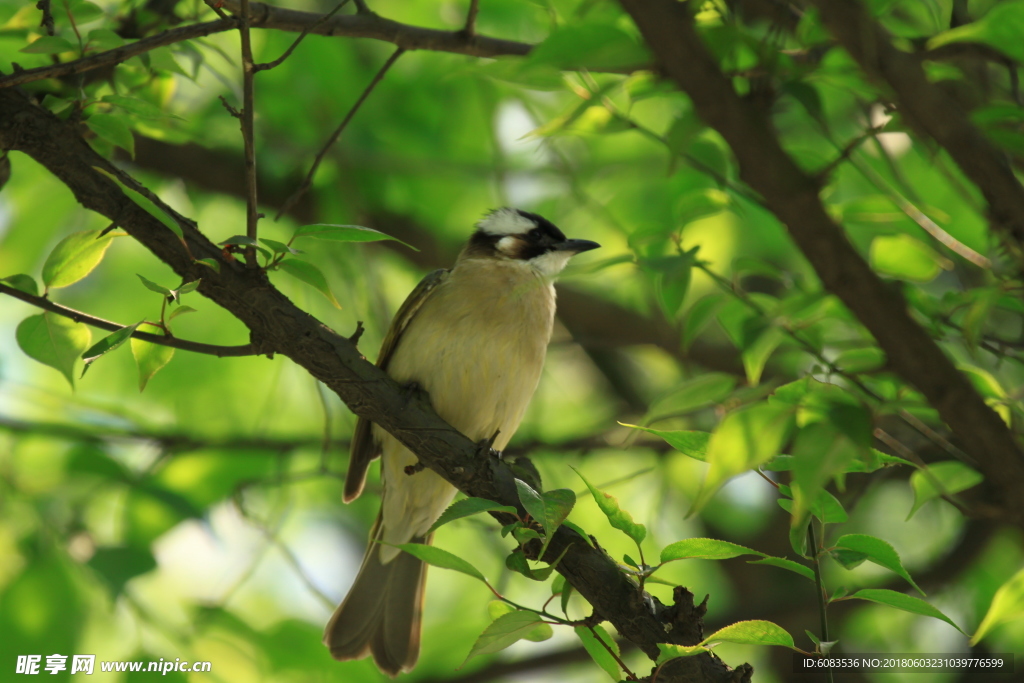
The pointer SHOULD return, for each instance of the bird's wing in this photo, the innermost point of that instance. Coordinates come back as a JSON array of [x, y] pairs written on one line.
[[364, 450]]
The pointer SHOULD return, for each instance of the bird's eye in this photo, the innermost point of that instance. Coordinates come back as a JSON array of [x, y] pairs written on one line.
[[534, 235]]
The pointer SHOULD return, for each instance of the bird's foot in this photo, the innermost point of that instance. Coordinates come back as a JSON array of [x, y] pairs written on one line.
[[413, 469], [486, 446], [414, 392]]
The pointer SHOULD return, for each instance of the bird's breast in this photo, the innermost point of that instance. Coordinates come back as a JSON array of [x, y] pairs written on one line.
[[477, 346]]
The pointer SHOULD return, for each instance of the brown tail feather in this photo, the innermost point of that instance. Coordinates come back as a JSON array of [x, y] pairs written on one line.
[[381, 614]]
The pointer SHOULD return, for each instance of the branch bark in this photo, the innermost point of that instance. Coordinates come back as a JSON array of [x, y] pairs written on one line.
[[933, 112], [281, 327], [792, 196]]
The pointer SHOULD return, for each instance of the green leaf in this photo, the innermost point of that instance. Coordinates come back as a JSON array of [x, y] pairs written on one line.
[[783, 563], [162, 59], [693, 444], [189, 286], [907, 258], [209, 263], [861, 360], [951, 476], [1000, 28], [84, 11], [907, 603], [441, 558], [502, 632], [878, 551], [180, 310], [152, 209], [150, 358], [676, 651], [549, 508], [1007, 605], [154, 286], [345, 233], [713, 549], [74, 257], [22, 283], [311, 275], [114, 130], [826, 508], [103, 39], [118, 565], [598, 652], [48, 45], [699, 315], [752, 633], [704, 549], [466, 507], [279, 247], [756, 355], [53, 340], [699, 392], [821, 451], [617, 517], [590, 46], [135, 105], [745, 439], [240, 240], [107, 344], [539, 633]]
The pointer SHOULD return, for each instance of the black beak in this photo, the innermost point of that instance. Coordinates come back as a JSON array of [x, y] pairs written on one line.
[[577, 246]]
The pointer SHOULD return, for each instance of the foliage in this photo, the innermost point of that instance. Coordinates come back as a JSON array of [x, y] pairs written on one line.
[[726, 402]]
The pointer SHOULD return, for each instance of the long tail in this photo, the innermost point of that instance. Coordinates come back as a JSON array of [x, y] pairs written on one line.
[[381, 613]]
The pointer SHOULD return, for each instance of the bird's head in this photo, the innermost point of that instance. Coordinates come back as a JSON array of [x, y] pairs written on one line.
[[513, 234]]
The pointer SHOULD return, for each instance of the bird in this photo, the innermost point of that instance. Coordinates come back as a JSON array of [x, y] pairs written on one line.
[[474, 338]]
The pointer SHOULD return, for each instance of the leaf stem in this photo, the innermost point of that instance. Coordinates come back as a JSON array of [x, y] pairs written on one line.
[[819, 589]]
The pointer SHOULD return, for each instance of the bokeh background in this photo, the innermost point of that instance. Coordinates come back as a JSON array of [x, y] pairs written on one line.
[[201, 519]]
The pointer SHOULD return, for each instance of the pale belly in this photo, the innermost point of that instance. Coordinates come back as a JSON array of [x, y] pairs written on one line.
[[480, 378]]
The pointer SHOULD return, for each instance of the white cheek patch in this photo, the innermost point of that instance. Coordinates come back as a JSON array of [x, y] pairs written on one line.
[[506, 222], [551, 263], [507, 246]]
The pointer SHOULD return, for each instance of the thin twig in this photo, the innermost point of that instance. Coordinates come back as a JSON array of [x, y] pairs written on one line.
[[907, 454], [820, 589], [368, 25], [215, 6], [248, 134], [267, 66], [173, 342], [622, 665], [119, 54], [47, 20], [337, 133], [474, 8]]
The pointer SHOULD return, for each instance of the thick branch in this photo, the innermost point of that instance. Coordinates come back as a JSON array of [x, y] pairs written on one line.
[[162, 340], [793, 197], [270, 17], [369, 392], [931, 110]]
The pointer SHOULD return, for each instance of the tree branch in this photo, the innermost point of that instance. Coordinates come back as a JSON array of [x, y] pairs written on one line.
[[332, 359], [932, 111], [173, 342], [793, 197], [252, 218], [265, 16], [308, 181]]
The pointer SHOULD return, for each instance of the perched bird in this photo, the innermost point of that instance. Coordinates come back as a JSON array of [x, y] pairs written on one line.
[[474, 338]]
